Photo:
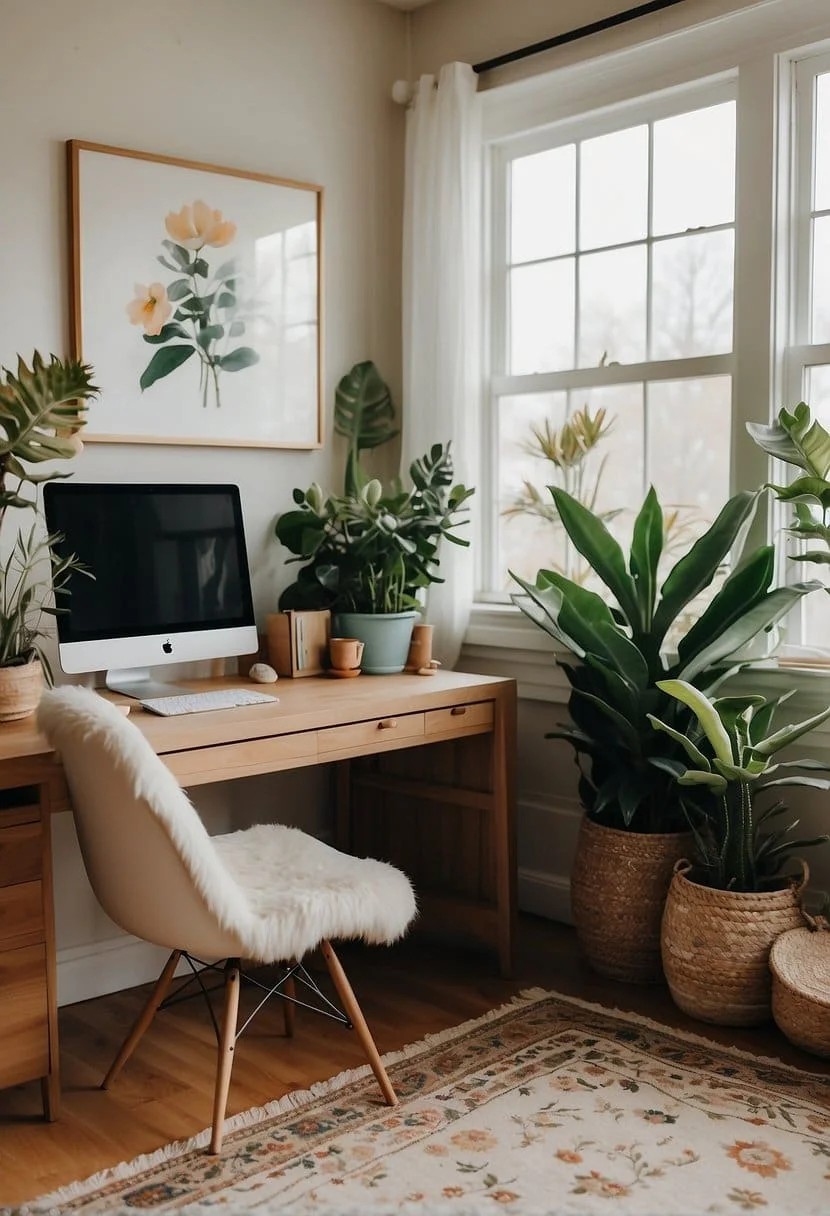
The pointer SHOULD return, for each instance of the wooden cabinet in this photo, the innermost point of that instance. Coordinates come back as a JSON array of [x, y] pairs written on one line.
[[27, 1012]]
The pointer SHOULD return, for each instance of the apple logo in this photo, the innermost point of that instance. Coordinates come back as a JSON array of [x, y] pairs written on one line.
[[167, 647]]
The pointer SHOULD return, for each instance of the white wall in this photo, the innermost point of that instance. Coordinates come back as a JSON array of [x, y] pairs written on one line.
[[293, 88]]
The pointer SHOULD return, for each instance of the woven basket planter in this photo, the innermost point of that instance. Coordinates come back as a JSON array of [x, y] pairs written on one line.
[[716, 947], [20, 690], [800, 964], [619, 883]]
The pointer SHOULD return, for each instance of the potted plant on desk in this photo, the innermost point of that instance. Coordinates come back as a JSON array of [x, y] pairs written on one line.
[[41, 408], [371, 551], [636, 820], [726, 906]]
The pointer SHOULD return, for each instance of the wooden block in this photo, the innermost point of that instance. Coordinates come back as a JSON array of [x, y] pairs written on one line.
[[297, 642]]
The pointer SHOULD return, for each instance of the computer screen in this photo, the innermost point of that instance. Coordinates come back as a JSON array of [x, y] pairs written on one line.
[[170, 567]]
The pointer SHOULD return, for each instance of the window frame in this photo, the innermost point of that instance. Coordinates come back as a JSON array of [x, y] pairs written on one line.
[[760, 46]]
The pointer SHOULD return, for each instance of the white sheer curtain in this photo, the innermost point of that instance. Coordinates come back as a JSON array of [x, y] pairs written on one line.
[[441, 310]]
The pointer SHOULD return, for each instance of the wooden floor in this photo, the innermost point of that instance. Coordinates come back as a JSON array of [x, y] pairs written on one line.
[[165, 1092]]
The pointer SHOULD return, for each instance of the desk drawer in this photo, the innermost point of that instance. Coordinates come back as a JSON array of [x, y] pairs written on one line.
[[24, 1041], [21, 915], [229, 760], [375, 734], [459, 717], [20, 853]]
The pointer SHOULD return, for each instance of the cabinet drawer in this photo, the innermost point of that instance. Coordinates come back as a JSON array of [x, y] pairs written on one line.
[[373, 735], [226, 761], [21, 915], [24, 1027], [20, 853], [459, 717]]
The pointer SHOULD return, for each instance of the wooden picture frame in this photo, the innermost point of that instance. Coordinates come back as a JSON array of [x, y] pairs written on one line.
[[196, 294]]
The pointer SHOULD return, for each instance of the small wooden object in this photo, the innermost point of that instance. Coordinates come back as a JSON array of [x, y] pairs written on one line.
[[297, 642]]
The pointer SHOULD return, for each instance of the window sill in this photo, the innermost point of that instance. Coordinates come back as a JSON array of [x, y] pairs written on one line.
[[500, 640]]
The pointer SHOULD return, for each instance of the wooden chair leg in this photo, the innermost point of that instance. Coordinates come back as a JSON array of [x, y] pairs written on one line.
[[227, 1042], [145, 1018], [288, 1007], [355, 1015]]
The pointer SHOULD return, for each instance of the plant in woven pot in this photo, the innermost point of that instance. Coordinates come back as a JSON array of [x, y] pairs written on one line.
[[725, 908], [637, 818], [41, 409]]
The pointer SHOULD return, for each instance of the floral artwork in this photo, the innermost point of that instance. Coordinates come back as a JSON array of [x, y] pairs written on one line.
[[549, 1105], [202, 303], [198, 313]]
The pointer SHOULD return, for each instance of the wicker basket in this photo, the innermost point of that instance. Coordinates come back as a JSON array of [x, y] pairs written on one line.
[[800, 966], [716, 947], [21, 687], [619, 882]]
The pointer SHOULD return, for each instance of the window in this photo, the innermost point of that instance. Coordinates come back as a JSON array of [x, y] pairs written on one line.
[[659, 274], [613, 271], [807, 357]]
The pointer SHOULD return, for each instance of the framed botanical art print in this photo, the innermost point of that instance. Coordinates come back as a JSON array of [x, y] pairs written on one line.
[[196, 294]]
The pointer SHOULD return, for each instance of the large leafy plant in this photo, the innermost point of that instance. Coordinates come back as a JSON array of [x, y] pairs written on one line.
[[42, 408], [621, 646], [373, 550], [730, 754], [798, 440]]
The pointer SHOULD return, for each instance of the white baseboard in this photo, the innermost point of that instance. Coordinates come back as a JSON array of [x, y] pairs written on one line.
[[546, 895], [108, 966]]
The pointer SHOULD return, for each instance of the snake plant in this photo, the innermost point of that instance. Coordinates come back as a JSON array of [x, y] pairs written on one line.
[[621, 645], [730, 755]]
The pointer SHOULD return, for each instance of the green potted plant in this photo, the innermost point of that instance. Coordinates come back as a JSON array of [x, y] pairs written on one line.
[[41, 409], [370, 552], [725, 909], [636, 817], [798, 440]]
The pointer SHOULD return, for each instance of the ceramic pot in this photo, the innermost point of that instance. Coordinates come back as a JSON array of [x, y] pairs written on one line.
[[619, 883], [386, 637]]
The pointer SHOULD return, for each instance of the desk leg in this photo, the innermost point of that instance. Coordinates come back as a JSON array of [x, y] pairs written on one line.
[[50, 1085], [343, 806], [504, 824]]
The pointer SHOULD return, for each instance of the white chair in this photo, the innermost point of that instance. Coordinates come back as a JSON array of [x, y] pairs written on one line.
[[269, 894]]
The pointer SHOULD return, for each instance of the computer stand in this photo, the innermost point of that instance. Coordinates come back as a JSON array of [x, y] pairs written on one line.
[[136, 682]]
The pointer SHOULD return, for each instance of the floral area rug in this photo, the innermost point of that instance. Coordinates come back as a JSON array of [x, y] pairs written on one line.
[[548, 1105]]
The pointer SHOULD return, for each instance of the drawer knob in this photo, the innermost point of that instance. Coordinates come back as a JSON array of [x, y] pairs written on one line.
[[387, 724], [458, 710]]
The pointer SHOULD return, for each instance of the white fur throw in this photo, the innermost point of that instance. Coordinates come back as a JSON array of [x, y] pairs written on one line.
[[278, 889]]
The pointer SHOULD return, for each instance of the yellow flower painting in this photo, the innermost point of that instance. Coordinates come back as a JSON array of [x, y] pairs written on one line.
[[198, 312]]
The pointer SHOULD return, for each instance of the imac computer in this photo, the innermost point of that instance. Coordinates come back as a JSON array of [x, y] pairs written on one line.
[[170, 579]]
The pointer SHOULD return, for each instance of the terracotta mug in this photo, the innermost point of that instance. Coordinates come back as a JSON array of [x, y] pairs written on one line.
[[345, 653], [420, 648]]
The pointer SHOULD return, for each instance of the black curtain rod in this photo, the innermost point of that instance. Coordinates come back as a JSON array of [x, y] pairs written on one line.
[[584, 31]]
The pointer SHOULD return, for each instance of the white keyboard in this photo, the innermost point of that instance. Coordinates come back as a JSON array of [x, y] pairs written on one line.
[[197, 702]]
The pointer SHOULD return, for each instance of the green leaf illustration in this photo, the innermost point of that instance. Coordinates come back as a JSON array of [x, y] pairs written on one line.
[[180, 255], [226, 271], [163, 363], [168, 331], [238, 359], [237, 328], [208, 334], [200, 267], [179, 289], [226, 300]]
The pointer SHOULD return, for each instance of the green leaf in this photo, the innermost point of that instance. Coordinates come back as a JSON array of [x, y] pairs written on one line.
[[646, 547], [694, 753], [168, 331], [696, 569], [742, 590], [592, 539], [789, 734], [364, 415], [237, 328], [705, 712], [238, 359], [180, 255], [208, 334], [200, 267], [770, 610], [804, 489], [39, 405], [712, 781], [179, 289], [227, 300], [164, 362]]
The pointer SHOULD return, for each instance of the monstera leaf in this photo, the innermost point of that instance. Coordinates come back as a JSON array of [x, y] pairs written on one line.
[[364, 415]]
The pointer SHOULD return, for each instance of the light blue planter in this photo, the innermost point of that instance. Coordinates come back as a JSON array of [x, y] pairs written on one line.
[[385, 635]]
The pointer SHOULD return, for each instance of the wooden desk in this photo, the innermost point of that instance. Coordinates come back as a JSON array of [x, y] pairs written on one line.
[[445, 814]]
